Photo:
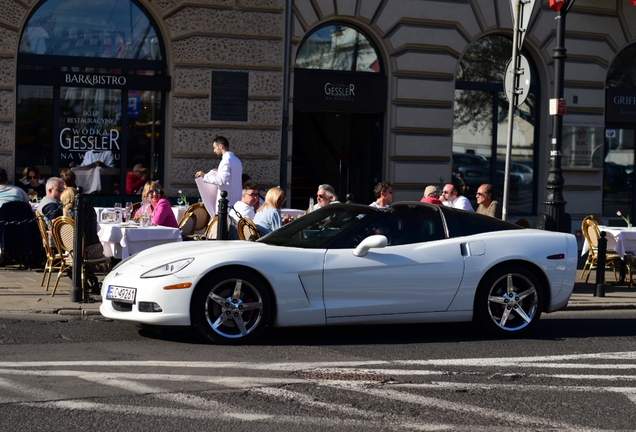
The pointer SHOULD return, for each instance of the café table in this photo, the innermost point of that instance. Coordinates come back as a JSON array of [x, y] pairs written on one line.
[[620, 239], [123, 240], [623, 241]]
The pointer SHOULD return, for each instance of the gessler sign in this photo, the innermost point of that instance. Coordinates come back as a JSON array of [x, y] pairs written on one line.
[[318, 90]]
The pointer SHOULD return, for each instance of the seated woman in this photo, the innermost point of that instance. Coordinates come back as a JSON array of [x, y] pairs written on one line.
[[268, 217], [93, 246], [157, 206], [33, 187]]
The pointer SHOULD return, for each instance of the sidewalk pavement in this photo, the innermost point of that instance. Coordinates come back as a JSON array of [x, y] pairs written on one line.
[[20, 292]]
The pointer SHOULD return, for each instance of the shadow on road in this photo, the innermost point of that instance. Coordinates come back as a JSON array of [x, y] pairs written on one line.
[[550, 327]]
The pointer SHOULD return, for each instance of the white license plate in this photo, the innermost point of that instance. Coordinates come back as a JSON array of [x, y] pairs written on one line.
[[126, 295]]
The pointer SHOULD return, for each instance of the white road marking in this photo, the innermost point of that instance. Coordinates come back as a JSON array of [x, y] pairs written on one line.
[[334, 375], [19, 389], [503, 415]]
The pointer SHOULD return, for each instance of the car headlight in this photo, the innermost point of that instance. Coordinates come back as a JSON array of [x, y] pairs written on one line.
[[168, 269]]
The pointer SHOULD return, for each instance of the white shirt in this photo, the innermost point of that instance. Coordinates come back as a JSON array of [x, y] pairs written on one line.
[[376, 205], [228, 177], [10, 193], [317, 206], [244, 209], [461, 202], [106, 157]]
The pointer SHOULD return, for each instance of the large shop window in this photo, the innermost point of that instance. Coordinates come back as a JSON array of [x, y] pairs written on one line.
[[480, 129], [91, 92], [620, 136]]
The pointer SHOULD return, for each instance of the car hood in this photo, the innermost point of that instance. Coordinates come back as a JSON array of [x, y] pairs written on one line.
[[188, 249]]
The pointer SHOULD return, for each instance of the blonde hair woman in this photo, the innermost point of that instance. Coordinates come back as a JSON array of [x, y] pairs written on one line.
[[268, 217], [157, 206]]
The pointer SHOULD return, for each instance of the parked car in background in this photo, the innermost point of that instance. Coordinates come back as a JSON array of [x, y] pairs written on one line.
[[475, 169]]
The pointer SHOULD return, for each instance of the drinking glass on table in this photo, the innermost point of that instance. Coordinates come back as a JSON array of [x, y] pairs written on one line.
[[117, 208], [128, 211]]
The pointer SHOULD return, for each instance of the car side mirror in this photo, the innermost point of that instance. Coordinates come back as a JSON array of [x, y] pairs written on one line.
[[374, 241]]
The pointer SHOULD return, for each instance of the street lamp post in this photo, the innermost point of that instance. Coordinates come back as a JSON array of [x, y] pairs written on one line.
[[555, 204]]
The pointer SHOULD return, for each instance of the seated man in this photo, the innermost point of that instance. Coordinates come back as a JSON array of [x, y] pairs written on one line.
[[10, 193], [51, 206], [248, 204], [326, 195]]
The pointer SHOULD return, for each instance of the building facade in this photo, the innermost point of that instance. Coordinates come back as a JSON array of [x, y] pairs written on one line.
[[405, 91]]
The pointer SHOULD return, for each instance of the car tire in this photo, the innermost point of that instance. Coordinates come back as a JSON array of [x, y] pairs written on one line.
[[232, 307], [509, 301]]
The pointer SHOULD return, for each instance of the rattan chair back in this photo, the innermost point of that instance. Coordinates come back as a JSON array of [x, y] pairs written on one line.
[[247, 229]]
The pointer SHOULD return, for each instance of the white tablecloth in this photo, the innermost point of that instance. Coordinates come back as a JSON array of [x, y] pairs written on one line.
[[620, 239], [292, 212], [178, 211], [121, 242]]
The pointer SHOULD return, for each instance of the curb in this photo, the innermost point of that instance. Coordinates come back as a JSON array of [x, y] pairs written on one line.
[[599, 306], [70, 312]]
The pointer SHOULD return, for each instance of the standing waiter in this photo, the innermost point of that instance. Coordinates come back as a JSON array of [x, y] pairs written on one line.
[[228, 176]]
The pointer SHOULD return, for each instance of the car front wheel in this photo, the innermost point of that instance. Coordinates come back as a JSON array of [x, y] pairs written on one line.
[[509, 301], [232, 307]]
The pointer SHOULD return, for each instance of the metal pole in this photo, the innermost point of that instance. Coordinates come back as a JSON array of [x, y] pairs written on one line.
[[555, 204], [76, 293], [285, 123], [221, 227], [600, 266], [511, 107]]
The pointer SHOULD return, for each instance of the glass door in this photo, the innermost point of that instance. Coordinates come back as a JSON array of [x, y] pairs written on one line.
[[618, 173]]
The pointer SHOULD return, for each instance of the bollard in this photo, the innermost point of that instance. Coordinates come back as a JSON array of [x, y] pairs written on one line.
[[600, 266], [76, 292], [221, 226]]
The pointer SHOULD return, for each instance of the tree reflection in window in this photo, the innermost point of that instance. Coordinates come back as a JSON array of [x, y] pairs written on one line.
[[485, 62], [622, 72], [339, 48], [481, 123], [91, 28]]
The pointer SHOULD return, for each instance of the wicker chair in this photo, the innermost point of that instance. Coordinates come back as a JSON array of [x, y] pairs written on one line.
[[247, 230], [211, 230], [187, 225], [135, 208], [592, 234], [53, 257], [63, 231], [202, 216]]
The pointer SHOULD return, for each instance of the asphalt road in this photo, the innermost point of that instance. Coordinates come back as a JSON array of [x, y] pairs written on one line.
[[577, 372]]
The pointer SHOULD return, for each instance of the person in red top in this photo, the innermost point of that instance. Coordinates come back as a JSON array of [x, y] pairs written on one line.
[[135, 179], [431, 195]]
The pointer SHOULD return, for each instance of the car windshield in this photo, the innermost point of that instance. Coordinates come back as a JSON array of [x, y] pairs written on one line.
[[318, 228]]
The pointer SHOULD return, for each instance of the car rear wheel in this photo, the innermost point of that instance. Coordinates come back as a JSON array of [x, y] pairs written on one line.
[[232, 307], [509, 301]]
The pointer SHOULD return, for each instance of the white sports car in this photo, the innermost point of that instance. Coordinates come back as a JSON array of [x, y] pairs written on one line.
[[350, 264]]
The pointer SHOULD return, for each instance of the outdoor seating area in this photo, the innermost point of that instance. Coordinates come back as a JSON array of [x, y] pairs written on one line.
[[621, 244]]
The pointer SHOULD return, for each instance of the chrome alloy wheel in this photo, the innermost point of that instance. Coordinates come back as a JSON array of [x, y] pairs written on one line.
[[513, 302], [234, 308]]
